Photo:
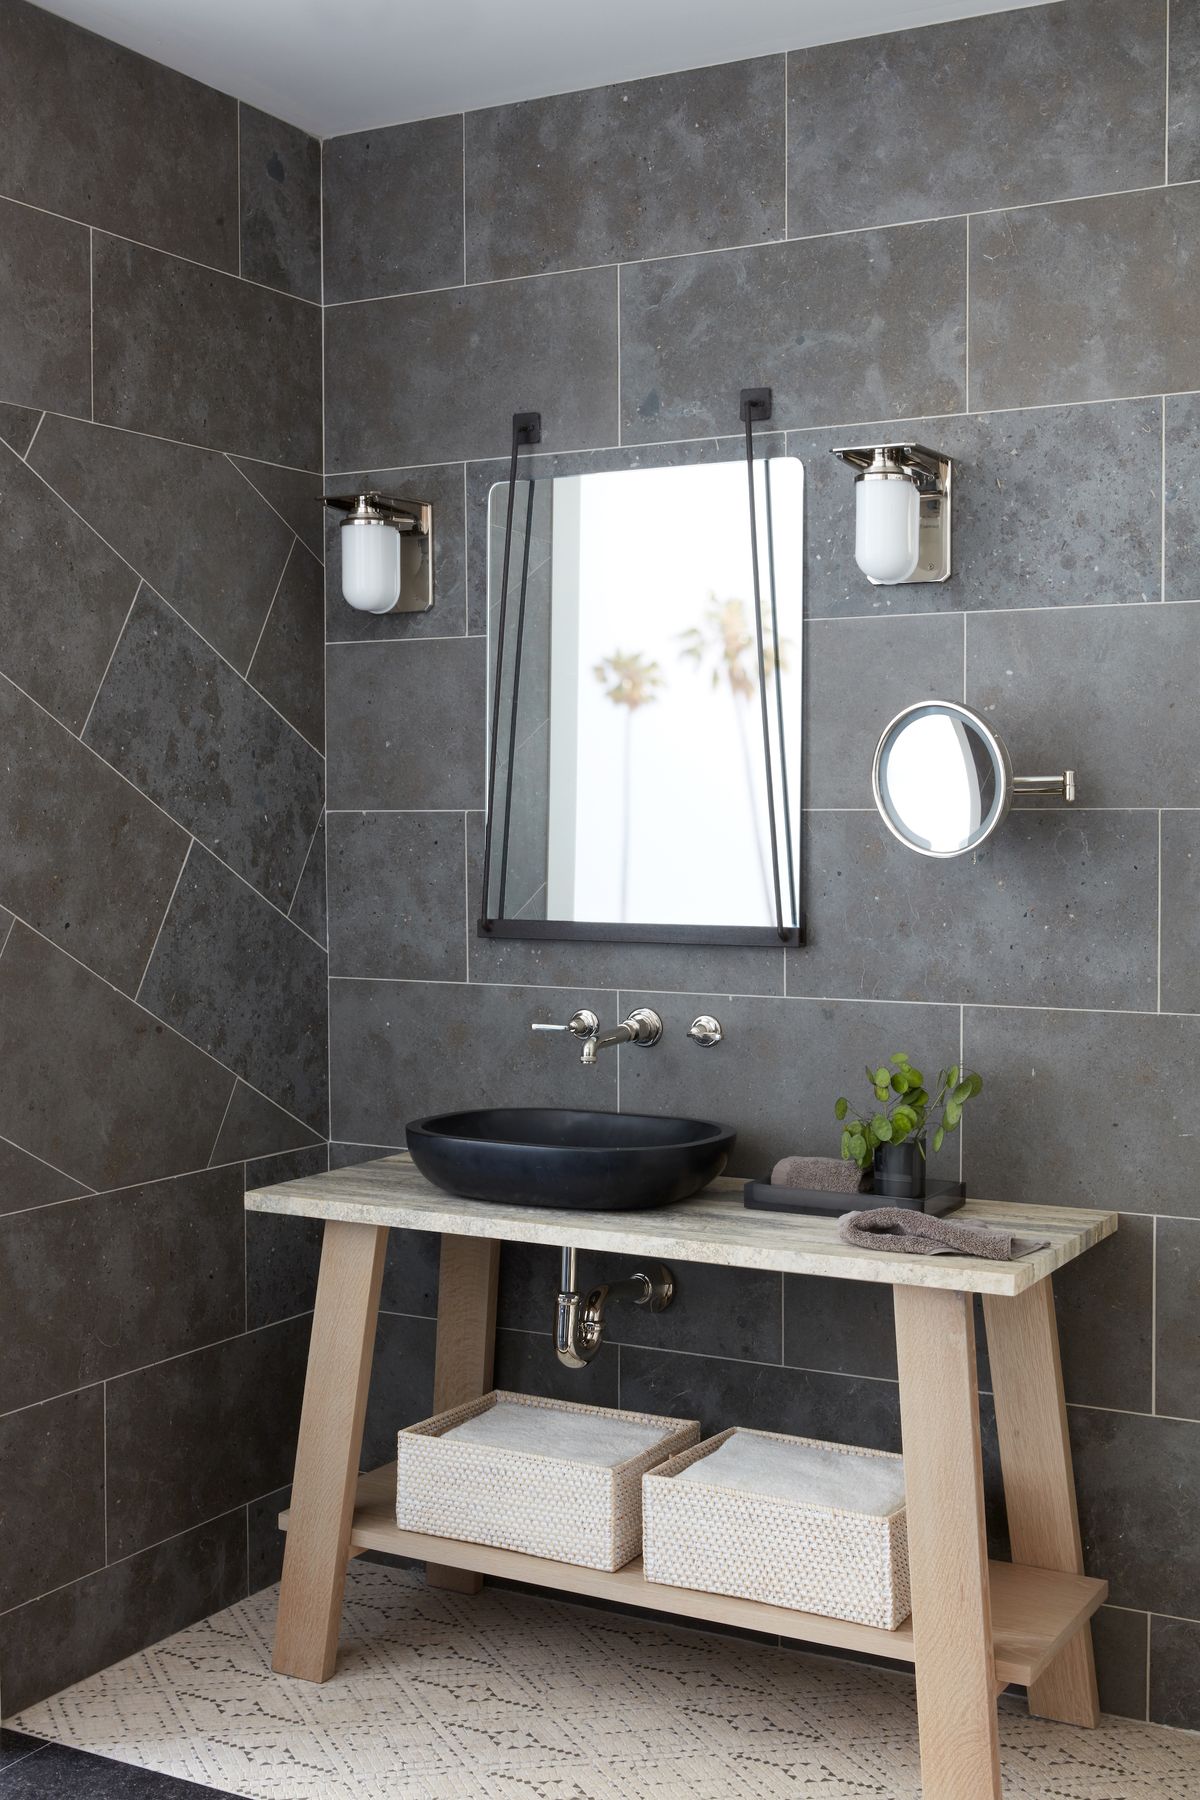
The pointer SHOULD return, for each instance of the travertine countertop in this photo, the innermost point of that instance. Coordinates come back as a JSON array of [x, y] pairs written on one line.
[[713, 1228]]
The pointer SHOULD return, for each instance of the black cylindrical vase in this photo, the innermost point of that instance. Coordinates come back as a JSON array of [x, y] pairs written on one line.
[[900, 1171]]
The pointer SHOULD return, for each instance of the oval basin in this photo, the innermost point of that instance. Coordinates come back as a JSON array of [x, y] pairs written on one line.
[[547, 1156]]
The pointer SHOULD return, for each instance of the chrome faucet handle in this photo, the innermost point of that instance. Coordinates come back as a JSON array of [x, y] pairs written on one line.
[[583, 1024], [643, 1026], [706, 1031]]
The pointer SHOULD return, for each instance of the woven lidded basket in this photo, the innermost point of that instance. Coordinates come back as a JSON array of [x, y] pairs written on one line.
[[543, 1504], [812, 1558]]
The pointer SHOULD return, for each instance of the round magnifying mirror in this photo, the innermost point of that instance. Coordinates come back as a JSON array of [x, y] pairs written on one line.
[[942, 778]]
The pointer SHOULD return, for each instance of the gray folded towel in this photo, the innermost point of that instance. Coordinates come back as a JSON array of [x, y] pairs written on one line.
[[893, 1229], [827, 1174]]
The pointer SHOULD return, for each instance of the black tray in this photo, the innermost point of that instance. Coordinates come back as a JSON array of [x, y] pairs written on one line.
[[941, 1197]]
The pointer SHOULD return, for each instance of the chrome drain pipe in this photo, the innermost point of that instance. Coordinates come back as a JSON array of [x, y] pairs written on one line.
[[579, 1318]]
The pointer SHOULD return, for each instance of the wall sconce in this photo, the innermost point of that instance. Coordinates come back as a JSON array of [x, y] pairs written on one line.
[[902, 512], [387, 552]]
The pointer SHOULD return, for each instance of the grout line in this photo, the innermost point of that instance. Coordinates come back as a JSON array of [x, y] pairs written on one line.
[[172, 255], [34, 1157], [24, 454], [8, 931], [237, 169], [457, 637], [138, 584], [769, 243], [466, 895], [620, 431], [463, 117], [91, 323], [785, 147], [168, 1026], [246, 1248], [104, 1464], [233, 1337], [964, 658], [1154, 1319], [1167, 119], [1149, 1642], [160, 437], [129, 1187], [270, 609], [232, 460], [212, 1163], [300, 877], [162, 922]]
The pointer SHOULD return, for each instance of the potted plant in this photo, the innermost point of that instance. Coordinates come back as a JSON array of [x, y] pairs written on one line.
[[891, 1140]]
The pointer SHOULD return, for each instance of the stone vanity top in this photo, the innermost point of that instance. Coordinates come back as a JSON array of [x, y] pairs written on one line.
[[713, 1228]]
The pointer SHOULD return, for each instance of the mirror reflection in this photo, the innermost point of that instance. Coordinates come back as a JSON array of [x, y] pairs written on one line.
[[942, 779], [633, 702]]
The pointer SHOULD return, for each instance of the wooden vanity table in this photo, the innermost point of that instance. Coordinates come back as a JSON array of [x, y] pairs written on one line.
[[974, 1627]]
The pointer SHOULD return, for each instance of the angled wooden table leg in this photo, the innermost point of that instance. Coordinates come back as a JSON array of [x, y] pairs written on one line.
[[947, 1545], [331, 1428], [466, 1347], [1039, 1484]]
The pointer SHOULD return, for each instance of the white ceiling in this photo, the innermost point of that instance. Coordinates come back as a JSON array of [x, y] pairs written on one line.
[[343, 65]]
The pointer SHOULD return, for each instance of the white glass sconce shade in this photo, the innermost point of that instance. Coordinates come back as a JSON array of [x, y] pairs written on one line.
[[370, 565], [887, 535]]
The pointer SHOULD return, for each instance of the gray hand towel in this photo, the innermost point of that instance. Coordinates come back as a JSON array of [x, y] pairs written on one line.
[[893, 1229], [827, 1174]]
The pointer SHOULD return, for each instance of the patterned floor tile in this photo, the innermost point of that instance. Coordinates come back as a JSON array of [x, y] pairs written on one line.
[[443, 1697]]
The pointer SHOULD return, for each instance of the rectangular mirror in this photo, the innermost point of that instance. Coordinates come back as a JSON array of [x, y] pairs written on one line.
[[645, 778]]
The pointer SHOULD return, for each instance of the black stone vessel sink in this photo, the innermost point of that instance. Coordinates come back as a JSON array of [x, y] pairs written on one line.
[[590, 1161]]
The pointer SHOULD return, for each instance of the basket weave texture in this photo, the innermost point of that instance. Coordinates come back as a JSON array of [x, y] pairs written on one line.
[[545, 1505], [817, 1559]]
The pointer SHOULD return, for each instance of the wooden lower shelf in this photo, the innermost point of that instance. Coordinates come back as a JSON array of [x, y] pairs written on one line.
[[1034, 1611]]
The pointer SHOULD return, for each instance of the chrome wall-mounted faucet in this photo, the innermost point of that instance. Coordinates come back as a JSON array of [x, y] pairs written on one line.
[[643, 1026]]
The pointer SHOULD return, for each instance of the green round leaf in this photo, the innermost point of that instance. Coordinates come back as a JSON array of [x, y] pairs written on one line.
[[939, 1138], [842, 1108], [952, 1115], [900, 1060], [900, 1082], [882, 1127]]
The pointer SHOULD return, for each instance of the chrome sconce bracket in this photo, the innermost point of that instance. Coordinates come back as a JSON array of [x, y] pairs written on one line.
[[931, 474], [373, 572], [579, 1319]]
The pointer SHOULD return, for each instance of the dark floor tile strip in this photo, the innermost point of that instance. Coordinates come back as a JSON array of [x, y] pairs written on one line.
[[59, 1773]]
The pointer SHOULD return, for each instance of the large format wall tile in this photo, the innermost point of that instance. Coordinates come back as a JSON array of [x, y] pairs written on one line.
[[197, 738], [858, 674], [1060, 908], [1056, 506], [190, 1438], [1175, 1673], [1038, 104], [780, 1069], [254, 1126], [406, 725], [1180, 943], [1177, 1318], [150, 153], [840, 1327], [1082, 1109], [72, 1631], [65, 596], [84, 858], [18, 425], [1085, 301], [1137, 1479], [437, 377], [45, 354], [280, 183], [1105, 1312], [234, 976], [401, 1385], [866, 324], [646, 168], [1120, 1639], [397, 890], [111, 1282], [289, 661], [442, 486], [720, 1393], [92, 1083], [383, 1075], [1126, 719], [183, 518], [283, 1255], [394, 209], [308, 908], [51, 1494], [185, 353], [25, 1182], [1181, 497], [294, 494], [1183, 141]]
